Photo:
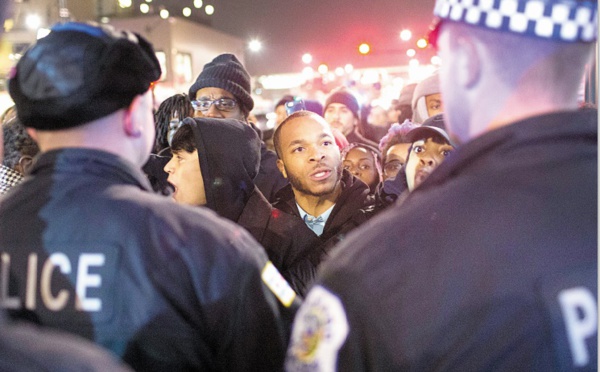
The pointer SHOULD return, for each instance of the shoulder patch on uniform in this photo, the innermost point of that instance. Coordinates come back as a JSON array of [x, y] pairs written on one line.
[[320, 330], [277, 284]]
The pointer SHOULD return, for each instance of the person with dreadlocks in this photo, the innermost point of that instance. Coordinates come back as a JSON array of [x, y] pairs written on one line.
[[167, 119]]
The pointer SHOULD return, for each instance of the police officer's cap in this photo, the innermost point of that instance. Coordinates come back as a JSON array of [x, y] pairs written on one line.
[[81, 72], [559, 20]]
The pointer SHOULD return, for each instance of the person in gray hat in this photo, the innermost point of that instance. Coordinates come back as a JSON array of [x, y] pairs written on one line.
[[492, 262], [427, 99], [222, 91], [161, 286]]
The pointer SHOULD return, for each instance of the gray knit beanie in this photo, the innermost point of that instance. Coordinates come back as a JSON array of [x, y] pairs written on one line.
[[225, 72]]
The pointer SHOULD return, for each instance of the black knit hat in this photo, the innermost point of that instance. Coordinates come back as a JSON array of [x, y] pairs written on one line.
[[344, 97], [81, 72], [225, 72]]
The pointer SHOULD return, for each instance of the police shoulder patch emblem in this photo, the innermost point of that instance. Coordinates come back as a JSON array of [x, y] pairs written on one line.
[[320, 330]]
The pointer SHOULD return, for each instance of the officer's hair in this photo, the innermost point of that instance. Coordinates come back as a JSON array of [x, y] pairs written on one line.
[[179, 103], [17, 142], [184, 139], [295, 115]]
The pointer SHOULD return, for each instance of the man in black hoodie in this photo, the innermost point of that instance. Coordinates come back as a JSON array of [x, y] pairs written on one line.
[[221, 91], [329, 200], [214, 164]]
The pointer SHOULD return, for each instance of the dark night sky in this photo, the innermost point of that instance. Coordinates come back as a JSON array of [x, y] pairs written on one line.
[[329, 29]]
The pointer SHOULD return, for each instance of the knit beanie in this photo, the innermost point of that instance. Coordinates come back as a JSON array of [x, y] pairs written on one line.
[[80, 72], [225, 72], [344, 97]]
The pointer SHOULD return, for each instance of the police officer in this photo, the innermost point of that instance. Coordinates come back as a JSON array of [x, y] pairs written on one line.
[[87, 248], [491, 264]]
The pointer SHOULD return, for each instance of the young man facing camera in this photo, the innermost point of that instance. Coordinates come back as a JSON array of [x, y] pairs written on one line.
[[331, 201]]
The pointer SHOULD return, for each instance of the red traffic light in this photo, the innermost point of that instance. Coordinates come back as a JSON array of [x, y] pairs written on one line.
[[364, 48], [422, 43]]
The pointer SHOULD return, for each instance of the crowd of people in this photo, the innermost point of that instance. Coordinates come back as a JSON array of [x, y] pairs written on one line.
[[454, 231]]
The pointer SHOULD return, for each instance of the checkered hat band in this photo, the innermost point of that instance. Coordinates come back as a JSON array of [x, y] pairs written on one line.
[[8, 178], [570, 21]]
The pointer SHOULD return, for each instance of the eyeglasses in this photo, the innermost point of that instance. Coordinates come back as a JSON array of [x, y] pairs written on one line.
[[222, 104]]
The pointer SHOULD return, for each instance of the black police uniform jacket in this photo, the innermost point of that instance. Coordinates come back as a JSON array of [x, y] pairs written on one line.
[[490, 264], [86, 247]]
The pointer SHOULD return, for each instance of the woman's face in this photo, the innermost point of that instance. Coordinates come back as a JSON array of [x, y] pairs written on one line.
[[424, 157], [395, 158], [361, 163]]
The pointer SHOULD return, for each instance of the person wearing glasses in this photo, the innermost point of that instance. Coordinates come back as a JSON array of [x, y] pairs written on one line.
[[222, 91], [491, 264]]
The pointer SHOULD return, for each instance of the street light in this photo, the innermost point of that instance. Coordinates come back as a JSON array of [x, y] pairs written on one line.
[[255, 45], [125, 3], [33, 21], [364, 48], [144, 8], [322, 69], [164, 14], [209, 9], [197, 4], [307, 58], [405, 35]]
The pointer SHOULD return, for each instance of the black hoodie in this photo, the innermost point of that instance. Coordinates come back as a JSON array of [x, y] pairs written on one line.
[[229, 154]]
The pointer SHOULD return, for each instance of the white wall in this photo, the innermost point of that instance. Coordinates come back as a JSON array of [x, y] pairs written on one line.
[[177, 35]]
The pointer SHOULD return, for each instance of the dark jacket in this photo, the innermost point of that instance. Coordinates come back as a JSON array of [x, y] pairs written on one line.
[[228, 151], [352, 208], [165, 287], [490, 264], [269, 179], [356, 137], [27, 347]]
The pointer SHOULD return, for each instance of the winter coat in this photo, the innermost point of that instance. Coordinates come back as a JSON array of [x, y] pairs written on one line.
[[228, 151], [490, 264], [89, 249], [352, 208]]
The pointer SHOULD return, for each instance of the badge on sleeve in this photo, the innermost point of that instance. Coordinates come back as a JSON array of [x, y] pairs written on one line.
[[320, 330]]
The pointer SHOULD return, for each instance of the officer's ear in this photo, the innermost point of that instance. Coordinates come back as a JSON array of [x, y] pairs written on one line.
[[469, 61], [24, 164], [131, 124]]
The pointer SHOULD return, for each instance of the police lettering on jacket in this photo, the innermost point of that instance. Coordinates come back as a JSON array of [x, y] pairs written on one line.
[[55, 281]]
